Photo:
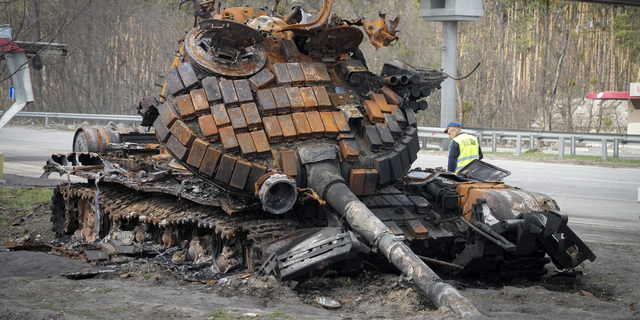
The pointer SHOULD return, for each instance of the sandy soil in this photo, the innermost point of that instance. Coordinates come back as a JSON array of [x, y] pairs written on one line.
[[33, 288]]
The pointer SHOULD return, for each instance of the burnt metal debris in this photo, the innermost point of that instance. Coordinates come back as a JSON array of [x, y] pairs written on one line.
[[276, 150]]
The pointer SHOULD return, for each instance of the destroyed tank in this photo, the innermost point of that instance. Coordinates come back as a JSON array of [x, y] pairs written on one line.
[[276, 149]]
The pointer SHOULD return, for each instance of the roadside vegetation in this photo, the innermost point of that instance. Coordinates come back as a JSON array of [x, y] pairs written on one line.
[[16, 202]]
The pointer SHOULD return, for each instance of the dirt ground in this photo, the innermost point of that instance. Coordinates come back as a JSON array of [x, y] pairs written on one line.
[[32, 288]]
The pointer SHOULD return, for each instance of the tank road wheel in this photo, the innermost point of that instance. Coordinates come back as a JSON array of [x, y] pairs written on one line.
[[232, 255], [86, 220], [216, 249], [62, 225]]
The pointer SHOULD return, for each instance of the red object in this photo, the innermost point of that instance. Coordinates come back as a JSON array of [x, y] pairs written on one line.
[[610, 95], [6, 45]]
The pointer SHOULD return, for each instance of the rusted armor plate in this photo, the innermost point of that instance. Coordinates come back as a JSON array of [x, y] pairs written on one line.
[[341, 122], [238, 122], [297, 76], [395, 166], [261, 79], [257, 171], [225, 169], [262, 144], [251, 114], [208, 127], [402, 121], [413, 151], [161, 130], [385, 135], [188, 75], [247, 147], [210, 85], [356, 181], [281, 72], [267, 103], [243, 90], [330, 126], [181, 132], [240, 174], [173, 81], [381, 164], [417, 229], [290, 51], [373, 112], [370, 181], [210, 161], [391, 96], [177, 148], [289, 162], [349, 149], [288, 128], [323, 74], [198, 149], [295, 98], [272, 129], [228, 139], [394, 228], [393, 125], [229, 95], [309, 98], [185, 105], [311, 77], [220, 116], [281, 99], [381, 102], [167, 113], [200, 103], [302, 125], [316, 124], [324, 102], [372, 137], [421, 205], [404, 157]]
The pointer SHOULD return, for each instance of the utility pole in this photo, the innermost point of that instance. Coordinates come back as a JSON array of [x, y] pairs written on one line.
[[449, 12]]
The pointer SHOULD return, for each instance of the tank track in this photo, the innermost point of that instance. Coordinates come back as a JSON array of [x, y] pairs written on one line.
[[154, 213]]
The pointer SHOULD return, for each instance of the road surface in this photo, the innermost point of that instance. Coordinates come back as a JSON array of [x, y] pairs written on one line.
[[602, 203]]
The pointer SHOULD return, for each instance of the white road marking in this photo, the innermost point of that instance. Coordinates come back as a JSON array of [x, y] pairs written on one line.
[[607, 181], [590, 197]]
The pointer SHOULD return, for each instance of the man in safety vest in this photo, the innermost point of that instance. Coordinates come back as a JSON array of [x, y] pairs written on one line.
[[464, 148]]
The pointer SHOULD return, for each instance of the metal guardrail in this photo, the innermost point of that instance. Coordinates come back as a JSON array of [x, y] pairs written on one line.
[[80, 116], [533, 135], [432, 132]]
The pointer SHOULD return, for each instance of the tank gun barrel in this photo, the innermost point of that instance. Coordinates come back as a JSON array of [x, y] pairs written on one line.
[[325, 179]]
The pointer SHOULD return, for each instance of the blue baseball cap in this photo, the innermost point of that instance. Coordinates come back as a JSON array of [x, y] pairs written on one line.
[[452, 124]]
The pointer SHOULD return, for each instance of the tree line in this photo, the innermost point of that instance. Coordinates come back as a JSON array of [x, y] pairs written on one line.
[[539, 58]]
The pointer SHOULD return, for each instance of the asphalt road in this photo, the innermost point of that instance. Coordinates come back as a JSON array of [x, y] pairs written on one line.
[[602, 203], [26, 149]]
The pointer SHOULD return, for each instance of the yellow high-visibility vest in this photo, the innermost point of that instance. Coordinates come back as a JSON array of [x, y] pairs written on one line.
[[469, 150]]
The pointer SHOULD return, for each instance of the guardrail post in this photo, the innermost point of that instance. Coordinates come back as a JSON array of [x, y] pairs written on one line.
[[480, 138], [532, 142], [616, 151], [561, 148], [604, 149], [518, 145], [494, 142], [424, 143], [46, 120], [573, 145]]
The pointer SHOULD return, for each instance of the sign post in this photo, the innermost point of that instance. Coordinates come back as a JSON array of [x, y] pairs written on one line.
[[634, 90]]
